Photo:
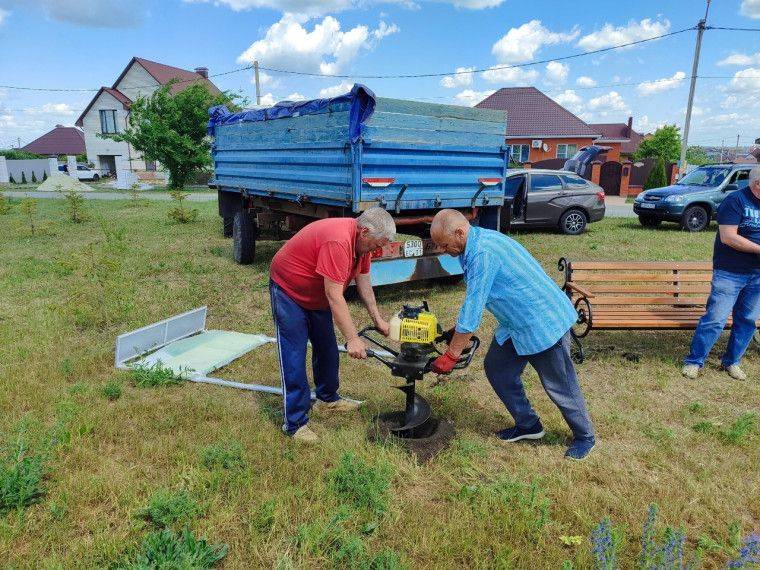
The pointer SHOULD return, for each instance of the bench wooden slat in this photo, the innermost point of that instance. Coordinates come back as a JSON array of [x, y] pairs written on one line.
[[653, 324], [581, 277], [631, 265], [664, 288], [630, 300]]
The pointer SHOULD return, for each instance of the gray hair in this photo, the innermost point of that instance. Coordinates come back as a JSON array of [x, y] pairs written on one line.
[[754, 174], [379, 223]]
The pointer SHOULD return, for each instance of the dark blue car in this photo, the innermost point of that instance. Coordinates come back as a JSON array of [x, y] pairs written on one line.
[[692, 201]]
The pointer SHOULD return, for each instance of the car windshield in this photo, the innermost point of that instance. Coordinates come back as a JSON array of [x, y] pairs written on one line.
[[705, 176]]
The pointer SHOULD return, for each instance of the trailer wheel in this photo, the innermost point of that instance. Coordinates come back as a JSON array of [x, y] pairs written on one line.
[[244, 237], [227, 223]]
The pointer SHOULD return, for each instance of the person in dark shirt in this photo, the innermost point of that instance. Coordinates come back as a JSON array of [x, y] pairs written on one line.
[[735, 287]]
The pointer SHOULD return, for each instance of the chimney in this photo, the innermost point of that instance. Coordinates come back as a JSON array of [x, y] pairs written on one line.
[[59, 126], [630, 127], [202, 71]]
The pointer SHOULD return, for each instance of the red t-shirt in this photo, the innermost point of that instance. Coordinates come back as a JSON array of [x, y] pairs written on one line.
[[325, 248]]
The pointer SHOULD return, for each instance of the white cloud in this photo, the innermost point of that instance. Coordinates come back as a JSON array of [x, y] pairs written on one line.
[[750, 8], [570, 100], [90, 13], [63, 109], [383, 30], [471, 98], [746, 80], [267, 100], [585, 81], [510, 75], [644, 125], [609, 104], [659, 85], [324, 49], [3, 15], [696, 111], [610, 35], [475, 4], [335, 90], [520, 45], [556, 73], [462, 78], [296, 97], [741, 59]]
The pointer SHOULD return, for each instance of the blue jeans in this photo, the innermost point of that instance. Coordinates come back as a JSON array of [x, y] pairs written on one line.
[[736, 294], [295, 326], [555, 369]]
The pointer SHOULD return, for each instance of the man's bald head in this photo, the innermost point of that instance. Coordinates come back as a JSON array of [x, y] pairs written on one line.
[[449, 231]]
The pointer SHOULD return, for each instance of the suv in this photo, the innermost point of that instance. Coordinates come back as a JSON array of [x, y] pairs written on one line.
[[692, 201], [551, 199], [84, 172]]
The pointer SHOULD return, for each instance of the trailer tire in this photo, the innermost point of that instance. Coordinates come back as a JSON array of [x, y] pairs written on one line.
[[227, 223], [244, 237]]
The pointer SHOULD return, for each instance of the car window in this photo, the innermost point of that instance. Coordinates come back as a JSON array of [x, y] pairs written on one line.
[[512, 185], [539, 182], [705, 176], [574, 180], [80, 167], [740, 178]]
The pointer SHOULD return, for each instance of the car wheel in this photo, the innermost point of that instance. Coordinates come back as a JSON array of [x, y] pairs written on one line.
[[95, 178], [573, 222], [649, 222], [695, 219]]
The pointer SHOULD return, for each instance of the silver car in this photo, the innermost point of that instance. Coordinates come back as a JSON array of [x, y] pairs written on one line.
[[551, 199]]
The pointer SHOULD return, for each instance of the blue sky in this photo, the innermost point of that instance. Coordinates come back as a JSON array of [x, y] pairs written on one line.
[[81, 44]]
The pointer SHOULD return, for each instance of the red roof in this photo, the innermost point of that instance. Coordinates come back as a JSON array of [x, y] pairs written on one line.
[[531, 114], [616, 132], [165, 73], [61, 140]]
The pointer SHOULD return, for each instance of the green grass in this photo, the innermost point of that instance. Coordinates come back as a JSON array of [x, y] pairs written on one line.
[[151, 376], [21, 475], [166, 549], [167, 508], [69, 290]]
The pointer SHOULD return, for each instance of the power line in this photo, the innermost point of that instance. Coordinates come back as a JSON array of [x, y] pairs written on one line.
[[359, 76]]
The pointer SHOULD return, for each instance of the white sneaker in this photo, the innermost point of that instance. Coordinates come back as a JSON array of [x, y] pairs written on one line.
[[735, 372], [691, 371], [305, 435]]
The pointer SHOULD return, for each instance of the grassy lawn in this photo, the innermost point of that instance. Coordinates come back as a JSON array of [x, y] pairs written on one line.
[[91, 465]]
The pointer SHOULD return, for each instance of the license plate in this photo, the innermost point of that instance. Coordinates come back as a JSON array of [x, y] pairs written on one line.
[[649, 206], [413, 248]]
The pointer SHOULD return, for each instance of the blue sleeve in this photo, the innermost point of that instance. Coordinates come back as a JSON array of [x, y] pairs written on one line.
[[730, 210], [481, 273]]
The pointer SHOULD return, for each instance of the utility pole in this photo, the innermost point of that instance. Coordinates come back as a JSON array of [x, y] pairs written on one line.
[[722, 144], [694, 67], [736, 150], [258, 85]]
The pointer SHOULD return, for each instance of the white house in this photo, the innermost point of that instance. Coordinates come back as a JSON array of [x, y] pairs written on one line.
[[109, 109]]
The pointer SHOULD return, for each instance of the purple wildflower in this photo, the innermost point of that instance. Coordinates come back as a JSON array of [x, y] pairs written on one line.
[[604, 546], [749, 553]]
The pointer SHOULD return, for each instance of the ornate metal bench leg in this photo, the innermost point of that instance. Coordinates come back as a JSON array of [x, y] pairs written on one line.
[[576, 352]]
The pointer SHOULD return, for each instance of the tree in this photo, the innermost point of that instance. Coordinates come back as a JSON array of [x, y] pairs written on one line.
[[17, 154], [665, 143], [657, 177], [172, 129], [696, 155]]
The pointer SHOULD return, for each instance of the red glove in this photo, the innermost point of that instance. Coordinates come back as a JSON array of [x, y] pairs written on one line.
[[444, 364]]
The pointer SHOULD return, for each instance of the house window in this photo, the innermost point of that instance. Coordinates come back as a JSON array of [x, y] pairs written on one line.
[[519, 153], [566, 150], [108, 121]]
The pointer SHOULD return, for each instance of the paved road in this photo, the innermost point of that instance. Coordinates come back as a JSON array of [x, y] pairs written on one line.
[[619, 211], [192, 197]]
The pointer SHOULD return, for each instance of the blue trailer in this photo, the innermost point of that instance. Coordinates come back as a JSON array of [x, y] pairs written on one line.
[[279, 168]]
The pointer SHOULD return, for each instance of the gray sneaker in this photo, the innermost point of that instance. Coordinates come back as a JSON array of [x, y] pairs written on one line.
[[691, 371], [735, 372]]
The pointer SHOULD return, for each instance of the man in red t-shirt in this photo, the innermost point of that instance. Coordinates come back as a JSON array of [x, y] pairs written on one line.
[[308, 277]]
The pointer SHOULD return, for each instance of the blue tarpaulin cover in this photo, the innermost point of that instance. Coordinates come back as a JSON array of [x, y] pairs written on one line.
[[361, 98]]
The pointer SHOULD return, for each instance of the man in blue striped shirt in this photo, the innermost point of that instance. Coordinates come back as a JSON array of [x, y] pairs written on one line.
[[534, 317]]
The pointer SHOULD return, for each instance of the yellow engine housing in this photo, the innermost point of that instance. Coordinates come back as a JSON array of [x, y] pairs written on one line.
[[423, 329]]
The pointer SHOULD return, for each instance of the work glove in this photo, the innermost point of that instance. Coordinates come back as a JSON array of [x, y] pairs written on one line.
[[444, 364], [445, 336]]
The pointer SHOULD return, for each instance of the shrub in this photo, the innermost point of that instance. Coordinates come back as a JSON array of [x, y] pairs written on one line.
[[151, 376], [44, 176], [75, 206], [223, 454], [21, 475], [363, 486], [10, 179], [166, 549], [23, 177], [112, 390], [166, 509], [657, 177], [28, 207], [179, 213]]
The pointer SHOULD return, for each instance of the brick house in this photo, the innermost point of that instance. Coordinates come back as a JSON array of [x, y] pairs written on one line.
[[61, 140], [539, 128], [109, 110], [620, 137]]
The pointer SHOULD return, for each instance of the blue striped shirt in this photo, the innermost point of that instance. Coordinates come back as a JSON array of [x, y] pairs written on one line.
[[504, 278]]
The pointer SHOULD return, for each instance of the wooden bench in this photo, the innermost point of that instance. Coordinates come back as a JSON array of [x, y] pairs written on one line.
[[635, 295]]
